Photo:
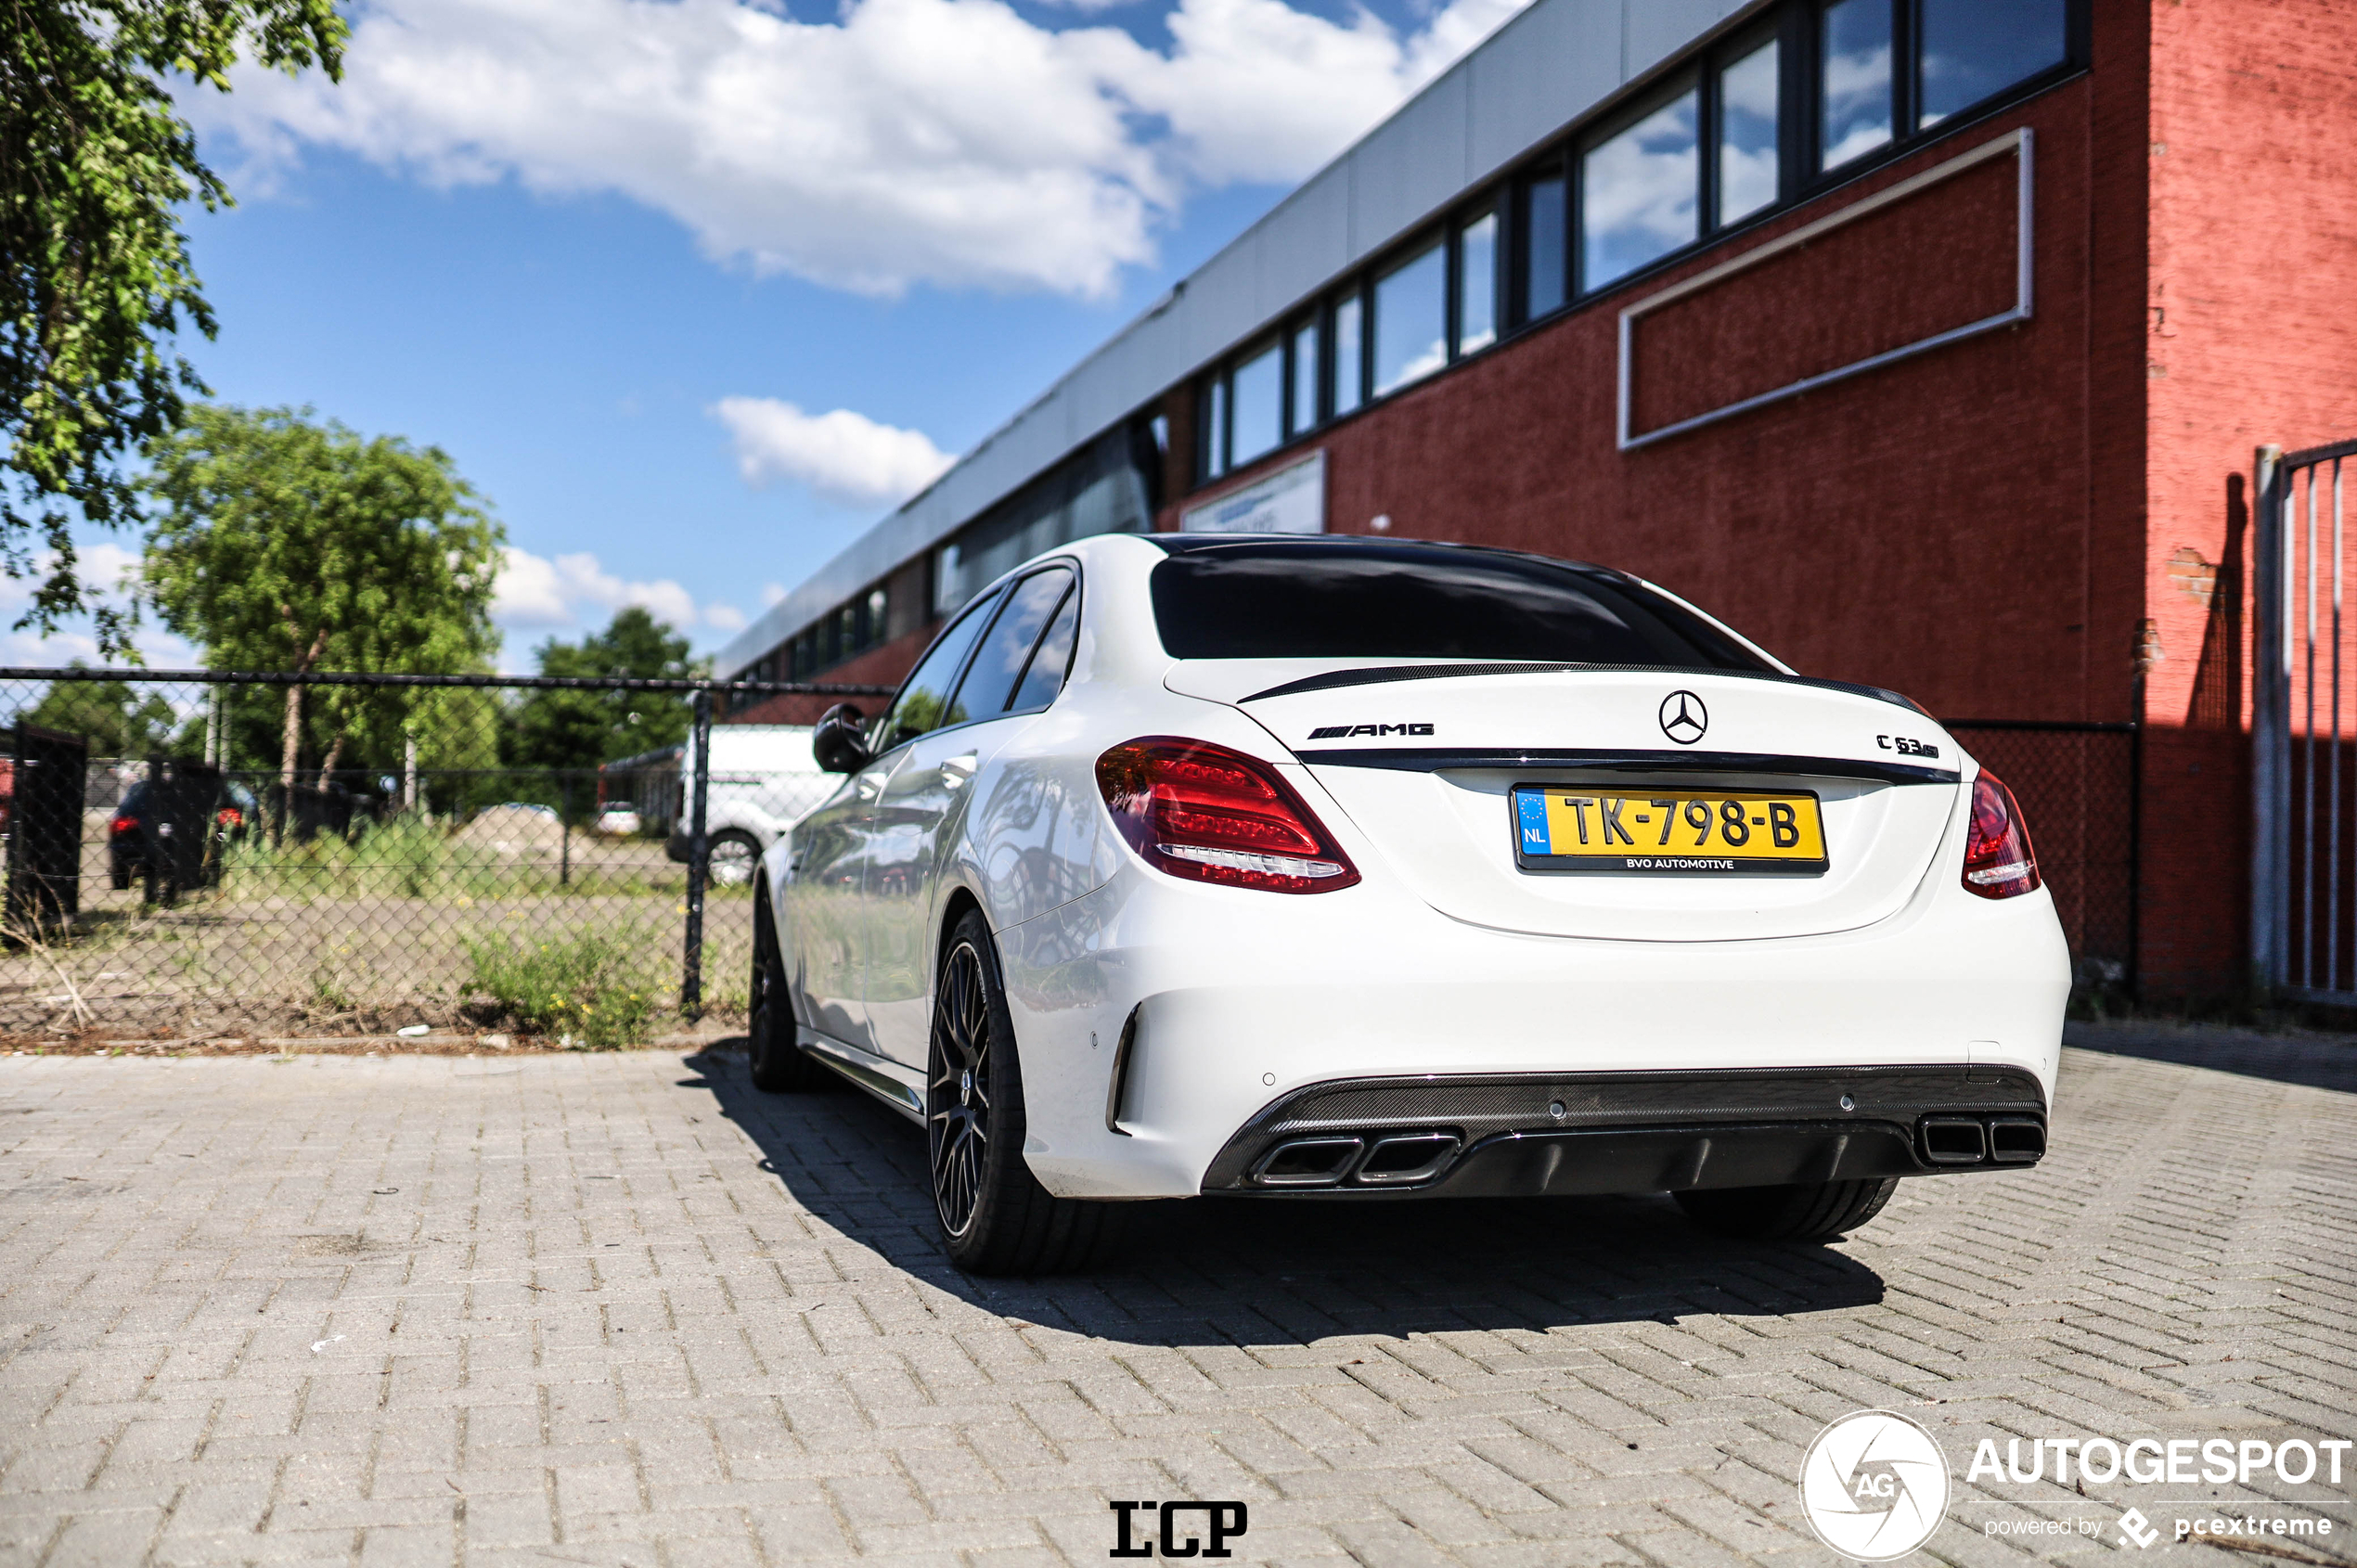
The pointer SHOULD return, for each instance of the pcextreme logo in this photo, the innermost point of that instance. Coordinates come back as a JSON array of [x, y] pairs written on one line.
[[1874, 1485]]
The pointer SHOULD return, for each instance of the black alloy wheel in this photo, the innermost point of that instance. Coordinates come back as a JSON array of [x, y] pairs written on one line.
[[996, 1218], [1813, 1210], [958, 1091], [779, 1066]]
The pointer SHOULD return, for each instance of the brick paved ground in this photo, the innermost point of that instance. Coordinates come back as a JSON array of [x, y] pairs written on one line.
[[623, 1310]]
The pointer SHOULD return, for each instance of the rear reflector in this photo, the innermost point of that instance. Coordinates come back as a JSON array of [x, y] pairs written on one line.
[[1999, 862], [1203, 812]]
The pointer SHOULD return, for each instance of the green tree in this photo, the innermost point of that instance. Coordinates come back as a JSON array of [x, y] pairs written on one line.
[[283, 545], [94, 273], [559, 728], [117, 720]]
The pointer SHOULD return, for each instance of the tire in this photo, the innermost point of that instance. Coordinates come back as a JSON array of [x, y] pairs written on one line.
[[1809, 1212], [996, 1218], [733, 858], [779, 1065]]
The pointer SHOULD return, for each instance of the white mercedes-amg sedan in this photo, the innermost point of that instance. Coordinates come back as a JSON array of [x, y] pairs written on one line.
[[1299, 866]]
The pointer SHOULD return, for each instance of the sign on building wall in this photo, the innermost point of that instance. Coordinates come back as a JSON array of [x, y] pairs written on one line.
[[1291, 500]]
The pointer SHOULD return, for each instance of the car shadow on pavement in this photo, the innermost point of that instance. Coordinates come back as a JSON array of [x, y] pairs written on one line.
[[1242, 1271], [2317, 1061]]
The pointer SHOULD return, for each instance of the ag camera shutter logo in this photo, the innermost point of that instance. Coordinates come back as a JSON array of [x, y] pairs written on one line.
[[1874, 1485]]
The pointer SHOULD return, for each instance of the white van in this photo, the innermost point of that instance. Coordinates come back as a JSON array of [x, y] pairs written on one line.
[[763, 780]]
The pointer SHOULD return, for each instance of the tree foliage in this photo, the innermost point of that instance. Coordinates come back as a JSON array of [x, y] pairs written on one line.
[[94, 273], [115, 718], [283, 545], [559, 728]]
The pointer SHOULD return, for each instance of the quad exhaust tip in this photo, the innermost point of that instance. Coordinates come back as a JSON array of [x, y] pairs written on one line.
[[1972, 1140], [1398, 1160]]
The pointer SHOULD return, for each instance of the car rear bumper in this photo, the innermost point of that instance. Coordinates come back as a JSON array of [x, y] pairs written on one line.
[[1490, 1135], [1161, 1023]]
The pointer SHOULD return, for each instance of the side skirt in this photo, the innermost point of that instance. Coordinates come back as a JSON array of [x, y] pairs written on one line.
[[901, 1088]]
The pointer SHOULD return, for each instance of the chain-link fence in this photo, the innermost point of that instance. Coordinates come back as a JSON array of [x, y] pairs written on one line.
[[2078, 785], [199, 852]]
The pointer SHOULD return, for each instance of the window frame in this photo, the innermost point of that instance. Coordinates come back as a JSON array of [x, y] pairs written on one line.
[[1492, 205], [1692, 78], [986, 605], [1070, 572], [1072, 596]]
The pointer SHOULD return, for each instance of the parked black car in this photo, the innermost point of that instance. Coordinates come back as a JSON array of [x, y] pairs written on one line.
[[142, 837]]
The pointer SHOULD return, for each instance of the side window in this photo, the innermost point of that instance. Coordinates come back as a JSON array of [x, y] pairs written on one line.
[[924, 703], [1050, 661], [1008, 643]]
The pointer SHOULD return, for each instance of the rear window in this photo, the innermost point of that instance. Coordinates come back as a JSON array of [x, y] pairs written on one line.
[[1328, 599]]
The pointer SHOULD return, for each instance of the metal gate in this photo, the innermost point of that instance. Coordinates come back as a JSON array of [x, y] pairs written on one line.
[[2303, 935]]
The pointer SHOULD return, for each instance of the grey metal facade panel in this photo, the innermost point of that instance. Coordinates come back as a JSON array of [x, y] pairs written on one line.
[[1537, 74], [1410, 164], [1654, 29], [1222, 301], [1303, 252]]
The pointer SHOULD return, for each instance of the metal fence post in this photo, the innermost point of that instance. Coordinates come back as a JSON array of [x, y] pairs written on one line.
[[699, 862], [2270, 694]]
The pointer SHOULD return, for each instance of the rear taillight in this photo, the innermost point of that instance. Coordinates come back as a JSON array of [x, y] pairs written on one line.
[[1204, 811], [124, 825], [1999, 862]]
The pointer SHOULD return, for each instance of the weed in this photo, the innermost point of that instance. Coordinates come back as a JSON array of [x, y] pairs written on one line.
[[597, 986]]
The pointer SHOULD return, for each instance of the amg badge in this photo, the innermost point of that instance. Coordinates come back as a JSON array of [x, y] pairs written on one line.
[[1338, 731]]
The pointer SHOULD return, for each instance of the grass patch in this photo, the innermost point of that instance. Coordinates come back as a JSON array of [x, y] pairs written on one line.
[[597, 987], [412, 856]]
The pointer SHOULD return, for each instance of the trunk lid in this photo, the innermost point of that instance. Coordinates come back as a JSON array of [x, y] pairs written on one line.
[[1423, 758]]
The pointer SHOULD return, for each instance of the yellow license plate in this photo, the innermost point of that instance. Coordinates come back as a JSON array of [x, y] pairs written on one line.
[[1561, 827]]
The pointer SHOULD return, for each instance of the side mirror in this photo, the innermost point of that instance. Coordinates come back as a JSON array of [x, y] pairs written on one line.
[[839, 743]]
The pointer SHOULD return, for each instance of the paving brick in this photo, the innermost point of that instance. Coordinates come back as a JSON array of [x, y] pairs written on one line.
[[609, 1320]]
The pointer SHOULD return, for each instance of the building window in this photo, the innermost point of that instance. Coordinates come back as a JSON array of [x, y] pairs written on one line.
[[1640, 195], [1974, 48], [1411, 319], [1304, 381], [1211, 429], [1350, 348], [1256, 405], [1856, 94], [1544, 265], [1748, 157], [1477, 283], [879, 616]]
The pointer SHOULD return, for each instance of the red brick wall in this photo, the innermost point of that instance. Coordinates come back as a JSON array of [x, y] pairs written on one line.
[[2249, 335], [1930, 526], [883, 666]]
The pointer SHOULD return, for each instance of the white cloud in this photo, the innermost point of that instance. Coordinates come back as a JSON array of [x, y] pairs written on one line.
[[840, 454], [109, 568], [539, 594], [909, 141], [772, 595]]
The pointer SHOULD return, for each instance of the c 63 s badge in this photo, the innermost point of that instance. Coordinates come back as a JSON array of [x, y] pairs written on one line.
[[1341, 731]]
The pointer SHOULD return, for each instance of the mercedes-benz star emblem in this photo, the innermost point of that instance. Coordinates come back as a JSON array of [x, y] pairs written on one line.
[[1683, 718]]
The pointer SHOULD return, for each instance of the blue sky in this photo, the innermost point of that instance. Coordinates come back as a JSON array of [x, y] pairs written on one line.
[[693, 291]]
